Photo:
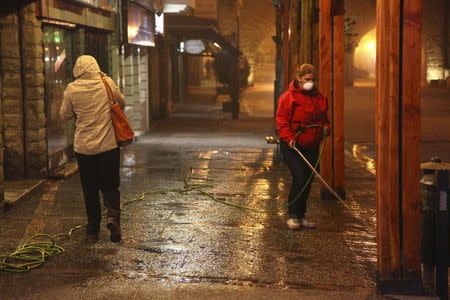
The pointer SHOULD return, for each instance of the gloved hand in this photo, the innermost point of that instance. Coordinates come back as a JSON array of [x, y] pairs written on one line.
[[291, 143]]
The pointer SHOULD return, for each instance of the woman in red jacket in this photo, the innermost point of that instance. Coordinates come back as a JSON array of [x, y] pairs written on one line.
[[298, 107]]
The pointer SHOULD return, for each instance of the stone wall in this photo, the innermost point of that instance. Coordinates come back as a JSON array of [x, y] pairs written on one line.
[[11, 97], [22, 95], [2, 190], [35, 125]]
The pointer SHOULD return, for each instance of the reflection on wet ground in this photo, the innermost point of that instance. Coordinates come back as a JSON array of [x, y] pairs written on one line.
[[362, 154], [172, 240]]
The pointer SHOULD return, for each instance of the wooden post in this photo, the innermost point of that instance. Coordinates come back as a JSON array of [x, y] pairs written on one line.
[[279, 58], [338, 98], [286, 42], [235, 88], [412, 42], [295, 37], [398, 138], [325, 85], [387, 166], [306, 33]]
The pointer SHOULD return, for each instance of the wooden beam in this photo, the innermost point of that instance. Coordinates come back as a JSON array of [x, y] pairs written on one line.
[[387, 136], [338, 97], [295, 37], [325, 85], [306, 32], [411, 55], [286, 42]]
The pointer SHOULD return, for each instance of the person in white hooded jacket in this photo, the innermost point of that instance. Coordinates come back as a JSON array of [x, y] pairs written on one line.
[[95, 145]]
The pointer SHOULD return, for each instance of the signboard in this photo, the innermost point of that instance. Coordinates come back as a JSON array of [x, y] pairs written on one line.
[[110, 5], [67, 13], [141, 26], [194, 46]]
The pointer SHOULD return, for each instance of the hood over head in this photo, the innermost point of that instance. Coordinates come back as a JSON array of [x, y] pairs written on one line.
[[86, 65]]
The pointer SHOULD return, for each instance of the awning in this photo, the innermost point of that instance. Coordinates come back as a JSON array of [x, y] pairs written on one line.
[[185, 27]]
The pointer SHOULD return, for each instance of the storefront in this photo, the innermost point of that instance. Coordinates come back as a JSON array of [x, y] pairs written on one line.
[[71, 28]]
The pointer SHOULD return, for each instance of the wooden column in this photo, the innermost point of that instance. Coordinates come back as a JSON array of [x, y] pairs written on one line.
[[398, 138], [411, 54], [295, 37], [387, 163], [286, 42], [338, 98], [325, 84], [235, 88], [306, 32]]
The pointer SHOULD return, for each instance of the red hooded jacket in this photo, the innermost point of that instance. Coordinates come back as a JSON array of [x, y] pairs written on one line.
[[297, 107]]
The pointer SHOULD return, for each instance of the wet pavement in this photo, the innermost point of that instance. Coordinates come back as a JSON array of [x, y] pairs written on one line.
[[187, 246]]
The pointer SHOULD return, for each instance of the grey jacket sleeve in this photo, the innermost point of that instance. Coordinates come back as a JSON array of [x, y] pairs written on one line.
[[66, 111]]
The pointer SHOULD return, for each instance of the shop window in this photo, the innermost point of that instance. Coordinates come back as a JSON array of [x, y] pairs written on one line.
[[58, 62]]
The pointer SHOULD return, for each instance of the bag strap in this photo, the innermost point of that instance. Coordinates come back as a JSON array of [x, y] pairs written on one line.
[[109, 92]]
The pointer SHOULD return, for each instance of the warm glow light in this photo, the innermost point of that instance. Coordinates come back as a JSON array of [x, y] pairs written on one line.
[[435, 72], [217, 45], [365, 55], [132, 32]]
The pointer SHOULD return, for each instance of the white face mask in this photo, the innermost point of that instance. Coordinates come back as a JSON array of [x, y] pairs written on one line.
[[307, 85]]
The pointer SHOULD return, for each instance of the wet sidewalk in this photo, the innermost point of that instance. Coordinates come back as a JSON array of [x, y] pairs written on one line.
[[186, 246]]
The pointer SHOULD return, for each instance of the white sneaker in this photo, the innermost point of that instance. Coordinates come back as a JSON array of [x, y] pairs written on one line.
[[294, 223], [307, 224]]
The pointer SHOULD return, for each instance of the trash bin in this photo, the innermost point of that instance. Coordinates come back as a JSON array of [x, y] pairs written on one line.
[[435, 225]]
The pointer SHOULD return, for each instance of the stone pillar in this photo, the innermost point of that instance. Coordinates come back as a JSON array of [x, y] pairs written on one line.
[[11, 97], [35, 125], [2, 190]]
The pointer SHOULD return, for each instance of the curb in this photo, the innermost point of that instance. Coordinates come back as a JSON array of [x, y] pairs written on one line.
[[6, 204], [65, 171]]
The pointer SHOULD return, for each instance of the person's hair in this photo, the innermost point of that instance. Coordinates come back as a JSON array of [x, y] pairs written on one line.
[[305, 69]]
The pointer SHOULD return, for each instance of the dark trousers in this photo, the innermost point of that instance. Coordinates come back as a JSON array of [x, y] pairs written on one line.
[[100, 172], [300, 175]]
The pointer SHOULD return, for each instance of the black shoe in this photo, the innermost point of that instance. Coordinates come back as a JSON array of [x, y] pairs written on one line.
[[114, 227], [92, 238]]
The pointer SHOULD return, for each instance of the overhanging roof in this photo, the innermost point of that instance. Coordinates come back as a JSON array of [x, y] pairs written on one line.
[[190, 27]]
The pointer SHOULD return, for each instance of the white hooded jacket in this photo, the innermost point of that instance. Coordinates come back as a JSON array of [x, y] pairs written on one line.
[[87, 100]]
